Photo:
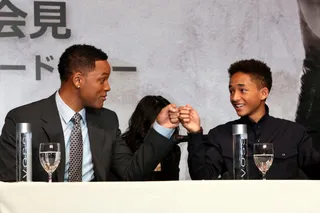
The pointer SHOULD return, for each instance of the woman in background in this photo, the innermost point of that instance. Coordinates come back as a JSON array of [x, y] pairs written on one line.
[[139, 125]]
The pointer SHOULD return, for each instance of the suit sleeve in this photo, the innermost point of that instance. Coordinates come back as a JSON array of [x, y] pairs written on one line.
[[139, 165], [8, 149], [205, 160]]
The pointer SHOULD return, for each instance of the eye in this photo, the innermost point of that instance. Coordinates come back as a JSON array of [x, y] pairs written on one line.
[[243, 90], [102, 80]]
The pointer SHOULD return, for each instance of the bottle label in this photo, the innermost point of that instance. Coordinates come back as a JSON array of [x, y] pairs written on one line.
[[24, 157], [240, 157]]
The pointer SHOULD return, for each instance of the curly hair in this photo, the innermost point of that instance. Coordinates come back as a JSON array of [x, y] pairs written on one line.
[[258, 71]]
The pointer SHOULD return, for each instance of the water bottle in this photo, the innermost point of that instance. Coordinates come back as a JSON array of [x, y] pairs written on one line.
[[23, 152], [240, 152]]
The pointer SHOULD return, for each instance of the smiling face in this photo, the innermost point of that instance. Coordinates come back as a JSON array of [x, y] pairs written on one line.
[[94, 85], [247, 96]]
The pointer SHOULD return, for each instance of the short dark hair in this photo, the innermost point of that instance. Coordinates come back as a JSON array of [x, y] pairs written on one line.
[[258, 71], [81, 57], [142, 119]]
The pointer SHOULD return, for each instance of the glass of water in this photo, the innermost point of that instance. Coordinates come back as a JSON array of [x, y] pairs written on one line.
[[263, 157], [49, 154]]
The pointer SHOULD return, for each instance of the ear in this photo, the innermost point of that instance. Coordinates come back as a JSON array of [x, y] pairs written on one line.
[[264, 93], [77, 79]]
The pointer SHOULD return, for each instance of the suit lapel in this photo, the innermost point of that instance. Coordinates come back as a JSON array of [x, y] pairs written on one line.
[[53, 128], [96, 138]]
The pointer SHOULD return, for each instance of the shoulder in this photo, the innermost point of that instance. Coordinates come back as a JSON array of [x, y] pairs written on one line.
[[102, 112], [27, 110], [104, 117], [223, 128], [287, 124]]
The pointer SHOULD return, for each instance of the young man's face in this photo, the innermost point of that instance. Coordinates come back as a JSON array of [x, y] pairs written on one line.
[[245, 94], [95, 85]]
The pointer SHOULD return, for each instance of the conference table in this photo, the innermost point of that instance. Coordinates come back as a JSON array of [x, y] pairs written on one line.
[[218, 196]]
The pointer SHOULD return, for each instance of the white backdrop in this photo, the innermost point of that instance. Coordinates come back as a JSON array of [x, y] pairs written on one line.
[[181, 49]]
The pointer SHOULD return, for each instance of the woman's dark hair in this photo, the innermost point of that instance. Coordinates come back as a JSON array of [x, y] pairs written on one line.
[[142, 118]]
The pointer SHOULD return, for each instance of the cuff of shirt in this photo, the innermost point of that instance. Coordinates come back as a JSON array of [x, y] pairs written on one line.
[[166, 132]]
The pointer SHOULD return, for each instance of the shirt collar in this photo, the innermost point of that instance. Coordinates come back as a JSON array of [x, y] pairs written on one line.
[[66, 112], [248, 121]]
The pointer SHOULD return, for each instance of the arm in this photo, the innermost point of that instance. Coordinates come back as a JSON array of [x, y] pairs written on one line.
[[155, 147], [8, 150], [170, 164], [205, 160], [138, 165]]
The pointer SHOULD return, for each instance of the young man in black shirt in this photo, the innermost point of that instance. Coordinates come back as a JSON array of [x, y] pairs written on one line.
[[249, 86]]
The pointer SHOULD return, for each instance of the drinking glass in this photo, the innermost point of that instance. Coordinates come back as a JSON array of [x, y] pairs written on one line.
[[263, 157], [49, 154]]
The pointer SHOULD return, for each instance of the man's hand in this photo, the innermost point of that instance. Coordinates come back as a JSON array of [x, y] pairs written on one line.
[[189, 118], [169, 117]]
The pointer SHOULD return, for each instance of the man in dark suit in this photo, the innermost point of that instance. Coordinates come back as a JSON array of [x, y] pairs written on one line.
[[91, 149]]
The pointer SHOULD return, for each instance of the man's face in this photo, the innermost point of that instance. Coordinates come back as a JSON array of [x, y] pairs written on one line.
[[93, 91], [245, 96]]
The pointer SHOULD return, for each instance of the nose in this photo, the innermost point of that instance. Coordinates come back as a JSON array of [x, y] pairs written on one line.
[[234, 97], [107, 87]]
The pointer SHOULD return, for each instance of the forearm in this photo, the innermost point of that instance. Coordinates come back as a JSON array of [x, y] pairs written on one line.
[[136, 166], [203, 159], [7, 151]]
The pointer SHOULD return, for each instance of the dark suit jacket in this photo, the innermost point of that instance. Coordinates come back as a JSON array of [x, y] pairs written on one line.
[[169, 167], [109, 152]]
